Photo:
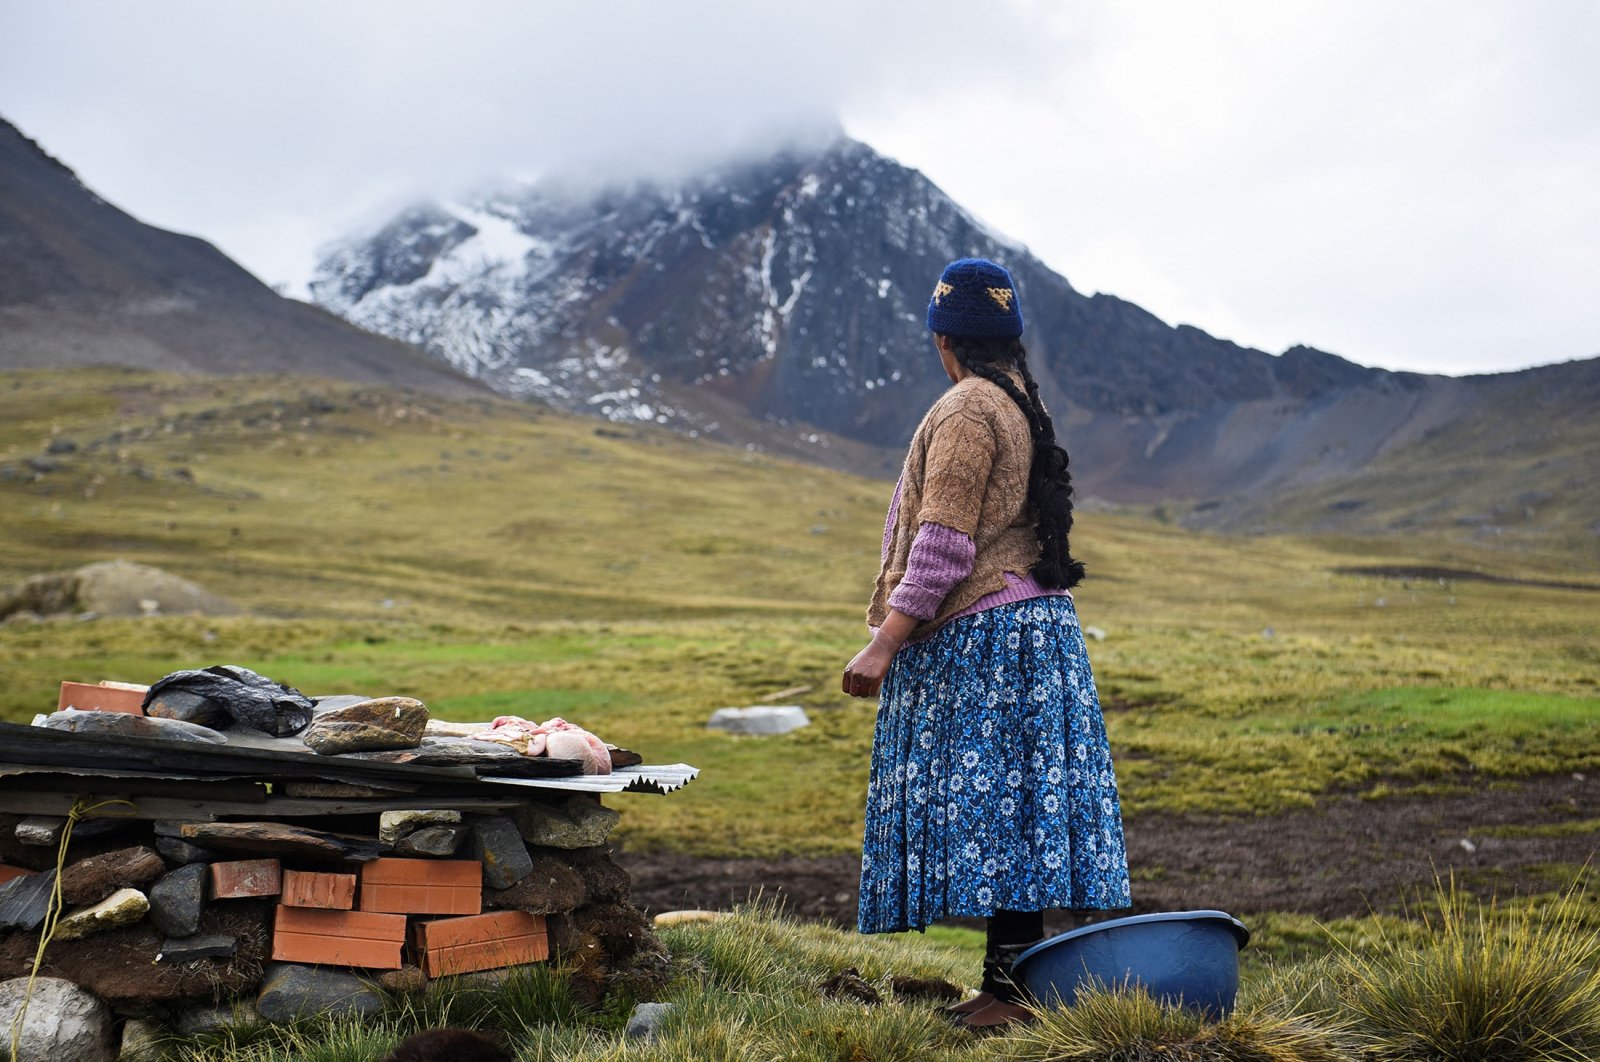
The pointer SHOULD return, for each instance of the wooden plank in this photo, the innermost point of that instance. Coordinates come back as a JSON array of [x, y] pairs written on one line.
[[19, 802], [124, 755], [234, 792]]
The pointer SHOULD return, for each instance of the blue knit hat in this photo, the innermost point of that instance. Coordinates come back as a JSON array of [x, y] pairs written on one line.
[[975, 299]]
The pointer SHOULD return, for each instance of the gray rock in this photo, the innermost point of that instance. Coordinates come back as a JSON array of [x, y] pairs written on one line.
[[289, 992], [122, 724], [393, 825], [205, 946], [61, 445], [141, 1040], [645, 1021], [382, 723], [24, 901], [1094, 632], [43, 465], [432, 841], [760, 720], [181, 851], [121, 908], [64, 1023], [498, 846], [581, 822], [200, 1019], [177, 900]]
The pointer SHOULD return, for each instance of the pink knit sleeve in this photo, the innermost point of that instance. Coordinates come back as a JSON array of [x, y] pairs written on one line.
[[940, 558]]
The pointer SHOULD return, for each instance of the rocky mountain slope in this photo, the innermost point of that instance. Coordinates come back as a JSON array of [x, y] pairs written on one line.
[[82, 283], [792, 290]]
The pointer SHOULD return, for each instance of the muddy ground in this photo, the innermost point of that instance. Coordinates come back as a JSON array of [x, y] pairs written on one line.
[[1347, 857]]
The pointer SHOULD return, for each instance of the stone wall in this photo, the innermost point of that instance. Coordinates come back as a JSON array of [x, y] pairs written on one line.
[[174, 921]]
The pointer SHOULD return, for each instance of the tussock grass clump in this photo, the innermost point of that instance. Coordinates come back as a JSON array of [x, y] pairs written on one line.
[[1130, 1025], [1484, 982], [763, 949]]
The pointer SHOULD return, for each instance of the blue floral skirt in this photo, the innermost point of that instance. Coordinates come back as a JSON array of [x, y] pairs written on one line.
[[991, 785]]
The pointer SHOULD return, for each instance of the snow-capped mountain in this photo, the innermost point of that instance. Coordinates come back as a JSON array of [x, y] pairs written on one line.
[[796, 286], [790, 293]]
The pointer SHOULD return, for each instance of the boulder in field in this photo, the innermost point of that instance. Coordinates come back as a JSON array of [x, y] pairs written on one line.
[[761, 720]]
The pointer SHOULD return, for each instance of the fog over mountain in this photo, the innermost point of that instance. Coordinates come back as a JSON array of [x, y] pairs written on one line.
[[785, 298]]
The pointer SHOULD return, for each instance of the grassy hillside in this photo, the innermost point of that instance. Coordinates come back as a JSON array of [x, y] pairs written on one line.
[[1522, 478], [490, 557]]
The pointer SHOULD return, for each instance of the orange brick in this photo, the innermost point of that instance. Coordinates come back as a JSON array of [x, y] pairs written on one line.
[[304, 888], [338, 938], [422, 899], [88, 698], [422, 886], [481, 942], [246, 877], [458, 872], [8, 872]]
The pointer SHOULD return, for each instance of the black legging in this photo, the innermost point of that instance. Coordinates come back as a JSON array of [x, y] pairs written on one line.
[[1014, 927]]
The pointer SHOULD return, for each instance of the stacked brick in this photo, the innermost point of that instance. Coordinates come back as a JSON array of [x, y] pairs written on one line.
[[526, 884], [367, 919]]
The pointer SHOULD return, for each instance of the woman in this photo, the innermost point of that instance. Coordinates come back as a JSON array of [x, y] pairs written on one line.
[[992, 793]]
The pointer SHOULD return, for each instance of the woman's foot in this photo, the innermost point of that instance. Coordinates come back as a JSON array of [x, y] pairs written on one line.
[[969, 1006], [997, 1015]]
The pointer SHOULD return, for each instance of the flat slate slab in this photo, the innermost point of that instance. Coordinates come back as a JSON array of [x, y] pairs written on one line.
[[201, 946], [24, 901], [274, 838]]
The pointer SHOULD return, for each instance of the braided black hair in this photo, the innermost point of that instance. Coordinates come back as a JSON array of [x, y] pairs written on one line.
[[1049, 481]]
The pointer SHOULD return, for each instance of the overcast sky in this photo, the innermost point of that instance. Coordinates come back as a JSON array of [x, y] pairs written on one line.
[[1408, 183]]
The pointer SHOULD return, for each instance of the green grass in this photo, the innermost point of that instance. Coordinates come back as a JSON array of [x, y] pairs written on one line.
[[1465, 983], [489, 557]]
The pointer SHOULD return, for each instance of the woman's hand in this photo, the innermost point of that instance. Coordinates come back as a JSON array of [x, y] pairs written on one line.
[[863, 676]]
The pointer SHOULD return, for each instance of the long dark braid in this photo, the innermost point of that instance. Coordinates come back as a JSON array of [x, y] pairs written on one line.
[[1049, 481]]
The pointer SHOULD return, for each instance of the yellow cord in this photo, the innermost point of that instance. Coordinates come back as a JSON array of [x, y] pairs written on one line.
[[52, 915]]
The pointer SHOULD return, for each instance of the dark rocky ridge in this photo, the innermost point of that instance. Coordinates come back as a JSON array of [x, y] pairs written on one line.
[[793, 290], [82, 283]]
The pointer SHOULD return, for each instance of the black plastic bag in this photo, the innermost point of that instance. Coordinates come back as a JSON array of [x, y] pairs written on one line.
[[248, 698]]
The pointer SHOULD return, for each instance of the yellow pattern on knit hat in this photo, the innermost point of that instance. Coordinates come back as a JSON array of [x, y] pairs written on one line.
[[1003, 296], [940, 290]]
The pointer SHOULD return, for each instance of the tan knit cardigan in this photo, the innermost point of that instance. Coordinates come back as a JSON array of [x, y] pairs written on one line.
[[967, 469]]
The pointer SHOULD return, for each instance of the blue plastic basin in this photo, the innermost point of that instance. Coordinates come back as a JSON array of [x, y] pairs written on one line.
[[1186, 957]]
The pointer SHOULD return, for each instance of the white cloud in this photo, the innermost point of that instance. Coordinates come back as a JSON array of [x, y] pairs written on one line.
[[1414, 185]]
